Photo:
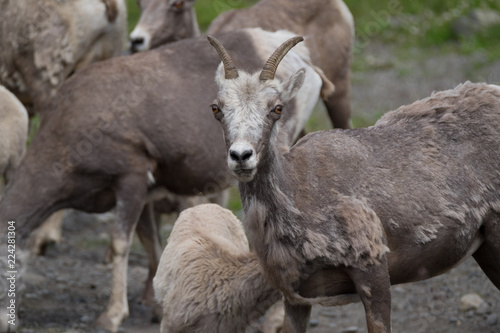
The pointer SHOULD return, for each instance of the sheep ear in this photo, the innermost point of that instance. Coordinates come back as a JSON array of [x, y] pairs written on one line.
[[220, 75], [292, 86]]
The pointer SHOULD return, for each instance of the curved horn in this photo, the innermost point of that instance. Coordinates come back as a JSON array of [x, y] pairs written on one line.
[[274, 60], [230, 70]]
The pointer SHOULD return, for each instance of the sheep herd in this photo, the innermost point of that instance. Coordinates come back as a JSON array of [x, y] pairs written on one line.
[[335, 217]]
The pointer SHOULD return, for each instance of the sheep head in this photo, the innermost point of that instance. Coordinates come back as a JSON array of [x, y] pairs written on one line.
[[163, 21], [249, 105]]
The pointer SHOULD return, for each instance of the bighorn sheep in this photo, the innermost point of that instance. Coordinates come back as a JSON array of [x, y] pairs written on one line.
[[328, 24], [163, 21], [43, 42], [208, 280], [118, 126], [355, 211]]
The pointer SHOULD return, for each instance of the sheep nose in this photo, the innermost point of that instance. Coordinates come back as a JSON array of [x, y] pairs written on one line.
[[240, 157], [136, 43]]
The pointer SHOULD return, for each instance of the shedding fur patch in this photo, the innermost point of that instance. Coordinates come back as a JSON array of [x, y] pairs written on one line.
[[111, 10]]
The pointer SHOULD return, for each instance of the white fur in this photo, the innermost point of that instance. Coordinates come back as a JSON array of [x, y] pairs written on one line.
[[13, 132], [494, 86], [246, 101], [347, 15], [296, 59], [140, 32]]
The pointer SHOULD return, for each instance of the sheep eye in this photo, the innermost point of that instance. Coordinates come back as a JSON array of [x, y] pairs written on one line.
[[215, 108], [278, 109], [178, 4]]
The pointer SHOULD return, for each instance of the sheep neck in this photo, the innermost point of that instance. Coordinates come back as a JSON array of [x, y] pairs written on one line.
[[268, 201]]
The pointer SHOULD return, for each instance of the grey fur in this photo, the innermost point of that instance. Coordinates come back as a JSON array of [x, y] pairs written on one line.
[[358, 210]]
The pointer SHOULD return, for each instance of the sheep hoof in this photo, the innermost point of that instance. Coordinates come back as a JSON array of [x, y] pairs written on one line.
[[106, 324], [41, 240]]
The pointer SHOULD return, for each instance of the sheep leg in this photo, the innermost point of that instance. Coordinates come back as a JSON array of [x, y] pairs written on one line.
[[49, 232], [149, 235], [488, 254], [339, 109], [296, 318], [131, 193], [374, 289]]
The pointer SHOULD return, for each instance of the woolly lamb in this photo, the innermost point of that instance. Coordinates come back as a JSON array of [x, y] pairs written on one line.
[[208, 280]]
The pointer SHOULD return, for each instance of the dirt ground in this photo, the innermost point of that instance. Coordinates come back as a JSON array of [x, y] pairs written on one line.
[[69, 287]]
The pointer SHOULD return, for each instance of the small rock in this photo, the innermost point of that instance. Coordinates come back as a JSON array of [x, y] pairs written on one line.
[[313, 322], [470, 302], [453, 319], [492, 319], [483, 308], [350, 329], [87, 318], [469, 314], [328, 312]]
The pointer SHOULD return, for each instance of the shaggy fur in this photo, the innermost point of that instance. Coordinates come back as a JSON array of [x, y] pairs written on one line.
[[357, 210], [207, 279], [116, 125], [43, 42]]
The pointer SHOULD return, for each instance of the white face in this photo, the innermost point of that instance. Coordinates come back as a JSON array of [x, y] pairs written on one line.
[[248, 108], [161, 21]]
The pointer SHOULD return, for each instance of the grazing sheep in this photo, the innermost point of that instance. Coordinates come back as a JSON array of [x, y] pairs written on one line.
[[328, 25], [208, 280], [123, 127], [43, 42], [355, 211]]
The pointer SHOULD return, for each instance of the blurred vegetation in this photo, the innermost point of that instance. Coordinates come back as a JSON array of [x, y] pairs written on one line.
[[423, 23], [133, 14], [34, 125]]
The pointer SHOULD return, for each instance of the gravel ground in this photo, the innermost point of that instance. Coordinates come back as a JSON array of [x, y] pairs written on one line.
[[68, 288]]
